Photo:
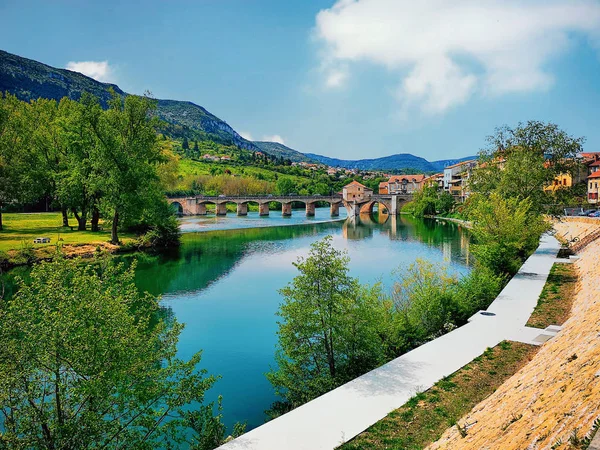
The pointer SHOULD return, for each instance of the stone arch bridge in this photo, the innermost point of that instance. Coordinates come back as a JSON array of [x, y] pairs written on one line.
[[196, 205]]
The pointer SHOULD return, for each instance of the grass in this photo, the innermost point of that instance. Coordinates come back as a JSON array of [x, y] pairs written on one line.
[[425, 417], [188, 167], [19, 230], [556, 299]]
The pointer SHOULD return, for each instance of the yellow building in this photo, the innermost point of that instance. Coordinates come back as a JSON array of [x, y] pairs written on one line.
[[563, 180]]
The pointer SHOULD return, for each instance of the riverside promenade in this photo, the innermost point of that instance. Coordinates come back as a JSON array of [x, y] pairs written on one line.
[[338, 416]]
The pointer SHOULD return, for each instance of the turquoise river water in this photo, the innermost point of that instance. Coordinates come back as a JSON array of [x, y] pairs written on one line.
[[223, 282]]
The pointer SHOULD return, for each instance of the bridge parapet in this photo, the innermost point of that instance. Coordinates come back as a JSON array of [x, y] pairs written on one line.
[[196, 205]]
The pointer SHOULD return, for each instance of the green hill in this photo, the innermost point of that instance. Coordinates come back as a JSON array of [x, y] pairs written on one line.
[[29, 79], [280, 150]]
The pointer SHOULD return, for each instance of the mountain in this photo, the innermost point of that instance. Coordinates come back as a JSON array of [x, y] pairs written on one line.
[[28, 80], [441, 164], [392, 162], [399, 161], [277, 149]]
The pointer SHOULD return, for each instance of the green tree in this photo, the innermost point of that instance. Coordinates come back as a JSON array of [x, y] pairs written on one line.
[[329, 328], [86, 361], [424, 202], [127, 158], [444, 202], [520, 162], [506, 231], [18, 162], [185, 145], [285, 186], [425, 302]]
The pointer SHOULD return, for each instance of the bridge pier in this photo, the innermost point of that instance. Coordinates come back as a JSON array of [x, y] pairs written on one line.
[[334, 209], [263, 209], [286, 209], [242, 209], [394, 205], [221, 209], [200, 209], [310, 209]]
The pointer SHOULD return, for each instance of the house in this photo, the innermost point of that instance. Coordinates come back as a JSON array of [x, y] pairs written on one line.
[[436, 180], [357, 192], [456, 178], [592, 187], [405, 184], [225, 158], [331, 171]]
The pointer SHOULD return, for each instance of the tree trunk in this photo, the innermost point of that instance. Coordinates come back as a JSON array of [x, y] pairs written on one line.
[[65, 217], [114, 237], [0, 218], [81, 220], [95, 219]]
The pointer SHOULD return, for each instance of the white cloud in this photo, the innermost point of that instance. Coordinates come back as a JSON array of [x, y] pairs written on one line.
[[336, 78], [98, 70], [446, 51], [246, 135], [274, 138]]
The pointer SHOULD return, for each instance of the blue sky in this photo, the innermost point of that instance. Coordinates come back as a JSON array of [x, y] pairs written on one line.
[[348, 79]]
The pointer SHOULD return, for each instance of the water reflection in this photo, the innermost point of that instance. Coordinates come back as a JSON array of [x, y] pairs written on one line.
[[223, 285]]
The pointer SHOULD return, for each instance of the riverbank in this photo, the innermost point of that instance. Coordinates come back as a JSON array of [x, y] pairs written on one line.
[[555, 399], [343, 413]]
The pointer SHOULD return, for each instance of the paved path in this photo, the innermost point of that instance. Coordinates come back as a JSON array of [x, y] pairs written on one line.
[[339, 415]]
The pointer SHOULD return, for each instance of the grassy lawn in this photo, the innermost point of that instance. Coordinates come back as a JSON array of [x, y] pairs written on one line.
[[556, 299], [20, 228], [427, 415]]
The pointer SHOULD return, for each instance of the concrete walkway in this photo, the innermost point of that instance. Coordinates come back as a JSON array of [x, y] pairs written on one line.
[[339, 415]]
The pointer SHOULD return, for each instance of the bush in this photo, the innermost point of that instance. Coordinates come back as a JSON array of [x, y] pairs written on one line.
[[425, 303], [506, 231], [477, 291]]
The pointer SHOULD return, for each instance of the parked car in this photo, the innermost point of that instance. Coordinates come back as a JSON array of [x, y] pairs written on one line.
[[587, 212], [594, 214], [222, 196]]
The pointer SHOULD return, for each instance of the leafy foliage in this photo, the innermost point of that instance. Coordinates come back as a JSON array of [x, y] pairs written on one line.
[[429, 202], [506, 231], [521, 162], [87, 362], [329, 326]]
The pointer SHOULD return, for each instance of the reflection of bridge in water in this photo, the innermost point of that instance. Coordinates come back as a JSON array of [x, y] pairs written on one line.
[[196, 205]]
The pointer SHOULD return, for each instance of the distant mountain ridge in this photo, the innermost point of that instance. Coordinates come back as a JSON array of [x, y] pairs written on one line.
[[277, 149], [29, 80], [392, 162]]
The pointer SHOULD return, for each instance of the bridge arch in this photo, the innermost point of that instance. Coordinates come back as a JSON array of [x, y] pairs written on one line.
[[368, 207], [176, 207]]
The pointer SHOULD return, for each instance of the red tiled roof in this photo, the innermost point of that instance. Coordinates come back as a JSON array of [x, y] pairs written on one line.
[[595, 174], [595, 163], [417, 178], [356, 183]]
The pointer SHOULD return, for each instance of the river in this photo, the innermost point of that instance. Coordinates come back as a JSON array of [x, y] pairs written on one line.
[[223, 283]]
